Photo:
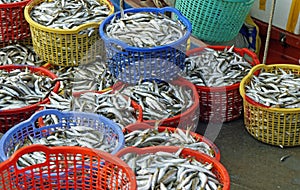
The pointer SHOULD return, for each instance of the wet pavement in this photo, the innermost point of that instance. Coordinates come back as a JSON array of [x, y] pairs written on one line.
[[250, 163]]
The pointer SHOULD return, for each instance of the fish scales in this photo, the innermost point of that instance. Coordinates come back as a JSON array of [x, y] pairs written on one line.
[[214, 68], [160, 99], [138, 27], [162, 168]]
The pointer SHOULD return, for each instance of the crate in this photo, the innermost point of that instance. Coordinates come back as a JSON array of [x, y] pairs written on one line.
[[113, 135], [218, 169], [275, 126], [65, 47], [222, 104], [91, 170], [189, 118], [215, 20], [130, 64], [13, 26], [198, 137], [11, 117]]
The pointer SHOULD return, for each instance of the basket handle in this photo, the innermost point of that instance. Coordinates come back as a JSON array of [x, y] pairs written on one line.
[[42, 113]]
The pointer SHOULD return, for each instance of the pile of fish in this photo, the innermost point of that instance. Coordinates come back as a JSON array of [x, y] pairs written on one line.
[[21, 87], [214, 68], [68, 14], [94, 76], [9, 1], [153, 137], [114, 106], [279, 89], [164, 170], [159, 99], [19, 54], [145, 29], [82, 136]]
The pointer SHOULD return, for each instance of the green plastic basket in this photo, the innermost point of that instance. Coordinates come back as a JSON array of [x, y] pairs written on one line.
[[215, 20]]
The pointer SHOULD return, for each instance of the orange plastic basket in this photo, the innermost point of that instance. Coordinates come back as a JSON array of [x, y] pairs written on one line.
[[184, 120], [270, 125], [67, 168], [222, 104], [13, 26], [11, 117], [218, 169], [198, 137]]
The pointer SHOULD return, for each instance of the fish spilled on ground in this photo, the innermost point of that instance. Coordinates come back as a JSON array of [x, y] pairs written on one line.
[[19, 54], [213, 68], [159, 99], [145, 29], [68, 14], [280, 88], [153, 137], [163, 170], [19, 88]]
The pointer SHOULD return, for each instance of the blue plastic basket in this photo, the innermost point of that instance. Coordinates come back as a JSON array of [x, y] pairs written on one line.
[[130, 64], [18, 133], [215, 20]]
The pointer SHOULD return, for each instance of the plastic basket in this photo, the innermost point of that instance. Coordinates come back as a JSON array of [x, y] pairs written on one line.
[[65, 47], [13, 26], [112, 133], [189, 118], [198, 137], [11, 117], [222, 104], [275, 126], [215, 20], [218, 169], [131, 64], [92, 170]]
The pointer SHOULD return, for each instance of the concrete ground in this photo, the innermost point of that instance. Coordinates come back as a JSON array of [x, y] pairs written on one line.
[[250, 163]]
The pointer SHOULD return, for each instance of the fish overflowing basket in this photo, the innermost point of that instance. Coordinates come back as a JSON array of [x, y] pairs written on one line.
[[216, 71], [13, 26], [171, 104], [170, 167], [271, 104], [70, 129], [67, 33], [81, 168], [145, 43], [23, 89], [215, 20], [142, 135]]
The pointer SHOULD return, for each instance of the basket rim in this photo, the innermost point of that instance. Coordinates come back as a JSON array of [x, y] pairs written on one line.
[[199, 137], [127, 47], [219, 47], [74, 30], [35, 70], [56, 112], [261, 106], [217, 165], [15, 4], [67, 149]]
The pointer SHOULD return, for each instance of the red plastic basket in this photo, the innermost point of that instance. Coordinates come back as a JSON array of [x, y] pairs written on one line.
[[8, 118], [13, 25], [222, 104], [188, 118], [67, 168], [218, 169], [198, 137]]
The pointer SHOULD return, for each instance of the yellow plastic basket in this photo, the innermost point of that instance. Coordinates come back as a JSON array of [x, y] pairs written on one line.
[[275, 126], [66, 47]]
